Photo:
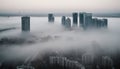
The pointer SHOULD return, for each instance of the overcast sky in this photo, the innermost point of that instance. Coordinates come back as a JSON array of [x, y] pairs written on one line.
[[45, 6]]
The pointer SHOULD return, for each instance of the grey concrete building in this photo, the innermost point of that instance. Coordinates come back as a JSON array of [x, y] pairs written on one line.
[[85, 19], [25, 23], [51, 17], [68, 23], [63, 20], [75, 18]]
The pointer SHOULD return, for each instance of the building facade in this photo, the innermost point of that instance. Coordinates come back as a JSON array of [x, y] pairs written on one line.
[[25, 23], [75, 18], [63, 20], [51, 17]]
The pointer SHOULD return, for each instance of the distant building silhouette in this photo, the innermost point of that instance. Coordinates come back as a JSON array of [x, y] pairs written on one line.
[[88, 60], [25, 23], [107, 62], [75, 18], [105, 21], [50, 17], [64, 62], [85, 19], [88, 19], [99, 23], [63, 20], [94, 22], [82, 18], [68, 23]]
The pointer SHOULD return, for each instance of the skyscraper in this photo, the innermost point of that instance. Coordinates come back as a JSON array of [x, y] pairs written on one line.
[[50, 17], [88, 20], [63, 20], [26, 23], [105, 22], [99, 23], [85, 19], [75, 18], [94, 22], [82, 18], [68, 22], [107, 62]]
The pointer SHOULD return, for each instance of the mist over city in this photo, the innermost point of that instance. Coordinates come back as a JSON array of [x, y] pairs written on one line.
[[59, 34]]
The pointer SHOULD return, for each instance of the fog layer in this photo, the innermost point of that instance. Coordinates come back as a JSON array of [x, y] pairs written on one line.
[[54, 37]]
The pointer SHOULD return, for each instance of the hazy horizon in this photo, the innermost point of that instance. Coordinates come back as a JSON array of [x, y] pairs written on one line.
[[58, 6]]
